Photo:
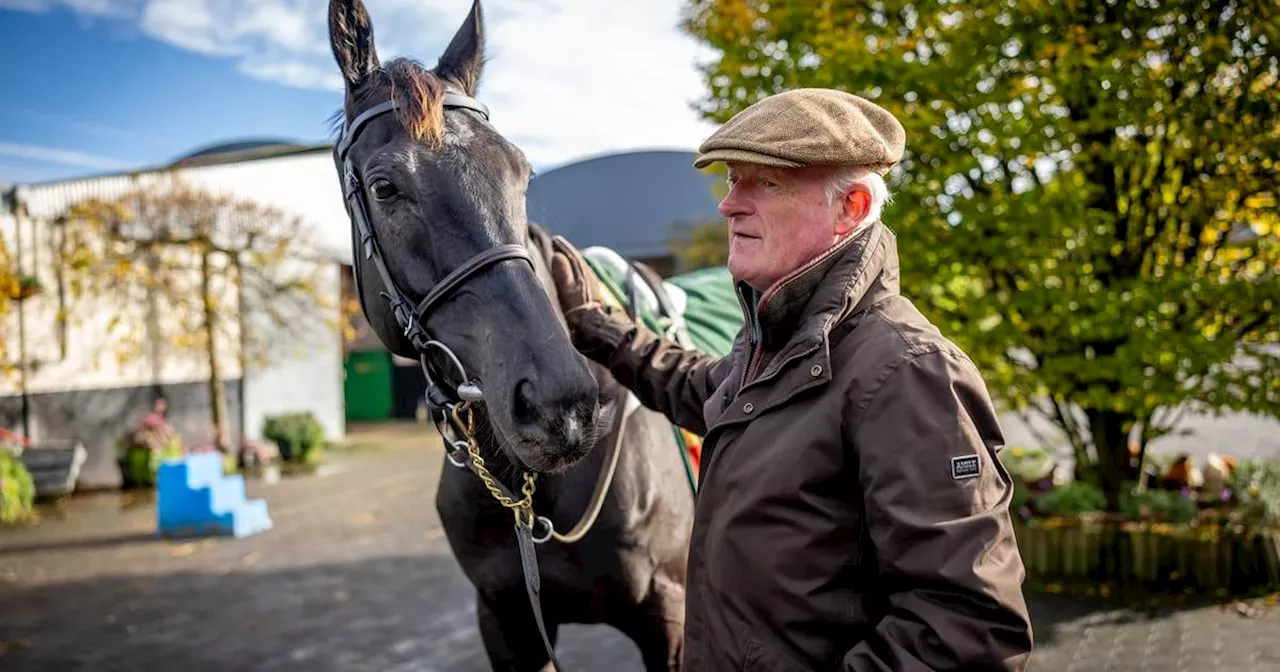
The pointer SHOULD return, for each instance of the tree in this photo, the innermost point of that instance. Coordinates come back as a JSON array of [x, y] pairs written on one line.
[[14, 287], [207, 273], [1087, 203], [8, 290], [702, 244], [699, 245]]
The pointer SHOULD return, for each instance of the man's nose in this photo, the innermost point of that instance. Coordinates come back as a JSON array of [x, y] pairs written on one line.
[[732, 205]]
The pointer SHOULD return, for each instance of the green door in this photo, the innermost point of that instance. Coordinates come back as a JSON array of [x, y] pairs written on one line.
[[367, 385]]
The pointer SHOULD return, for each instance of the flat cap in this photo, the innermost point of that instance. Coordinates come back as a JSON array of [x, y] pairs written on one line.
[[808, 127]]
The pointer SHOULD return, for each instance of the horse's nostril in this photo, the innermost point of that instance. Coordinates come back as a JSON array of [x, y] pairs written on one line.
[[525, 408], [546, 412]]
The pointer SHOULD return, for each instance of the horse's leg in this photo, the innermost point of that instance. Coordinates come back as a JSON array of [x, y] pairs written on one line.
[[657, 626], [513, 645]]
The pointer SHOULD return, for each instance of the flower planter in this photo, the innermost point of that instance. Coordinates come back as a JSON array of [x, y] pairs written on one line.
[[25, 288], [1151, 555]]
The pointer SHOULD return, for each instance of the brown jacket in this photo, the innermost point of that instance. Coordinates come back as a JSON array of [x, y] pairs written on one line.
[[852, 513]]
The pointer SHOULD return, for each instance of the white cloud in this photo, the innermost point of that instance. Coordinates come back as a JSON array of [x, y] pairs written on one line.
[[87, 7], [592, 76], [64, 157], [564, 79]]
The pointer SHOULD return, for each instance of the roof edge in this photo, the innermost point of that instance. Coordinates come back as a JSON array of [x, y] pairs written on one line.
[[198, 162], [614, 153]]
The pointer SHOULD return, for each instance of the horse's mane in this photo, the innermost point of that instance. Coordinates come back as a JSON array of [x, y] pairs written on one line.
[[419, 97]]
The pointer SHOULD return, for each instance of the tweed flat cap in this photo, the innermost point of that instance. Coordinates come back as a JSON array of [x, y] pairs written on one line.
[[808, 127]]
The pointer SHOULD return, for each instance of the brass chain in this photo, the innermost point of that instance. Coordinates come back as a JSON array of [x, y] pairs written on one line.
[[523, 508]]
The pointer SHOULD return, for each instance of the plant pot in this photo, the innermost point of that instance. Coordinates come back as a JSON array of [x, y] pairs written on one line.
[[27, 287]]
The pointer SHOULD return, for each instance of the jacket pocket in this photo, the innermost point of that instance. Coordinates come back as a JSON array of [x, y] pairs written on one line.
[[762, 658]]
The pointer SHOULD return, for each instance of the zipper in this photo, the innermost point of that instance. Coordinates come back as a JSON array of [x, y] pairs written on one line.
[[753, 337]]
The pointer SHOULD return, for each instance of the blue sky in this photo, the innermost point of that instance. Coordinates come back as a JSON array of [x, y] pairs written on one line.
[[96, 86]]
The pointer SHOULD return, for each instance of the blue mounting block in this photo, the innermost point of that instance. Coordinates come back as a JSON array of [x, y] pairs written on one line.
[[195, 499]]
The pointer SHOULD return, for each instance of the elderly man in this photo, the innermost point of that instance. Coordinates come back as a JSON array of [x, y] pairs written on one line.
[[852, 513]]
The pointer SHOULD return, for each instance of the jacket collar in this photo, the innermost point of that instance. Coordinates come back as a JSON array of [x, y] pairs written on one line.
[[799, 310]]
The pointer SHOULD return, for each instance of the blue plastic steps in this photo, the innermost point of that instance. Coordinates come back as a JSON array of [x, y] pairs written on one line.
[[195, 499]]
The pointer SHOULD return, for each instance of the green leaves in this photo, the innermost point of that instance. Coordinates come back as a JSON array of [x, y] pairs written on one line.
[[1088, 199]]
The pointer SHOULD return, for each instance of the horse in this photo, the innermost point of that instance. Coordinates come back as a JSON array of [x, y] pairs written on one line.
[[450, 272]]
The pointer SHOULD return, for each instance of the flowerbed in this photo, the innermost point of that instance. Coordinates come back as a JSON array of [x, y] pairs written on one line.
[[1224, 540]]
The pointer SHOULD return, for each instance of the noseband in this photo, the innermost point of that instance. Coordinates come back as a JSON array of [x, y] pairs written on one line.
[[412, 317]]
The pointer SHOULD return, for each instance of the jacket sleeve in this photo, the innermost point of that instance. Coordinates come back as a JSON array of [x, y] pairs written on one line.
[[937, 506], [663, 375]]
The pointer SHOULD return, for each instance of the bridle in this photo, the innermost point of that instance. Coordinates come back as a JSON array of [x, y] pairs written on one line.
[[410, 317], [451, 408]]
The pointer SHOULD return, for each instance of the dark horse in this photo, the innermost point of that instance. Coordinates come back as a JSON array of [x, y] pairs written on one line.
[[450, 272]]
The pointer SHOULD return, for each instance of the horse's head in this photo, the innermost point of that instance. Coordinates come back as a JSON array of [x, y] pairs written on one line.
[[441, 197]]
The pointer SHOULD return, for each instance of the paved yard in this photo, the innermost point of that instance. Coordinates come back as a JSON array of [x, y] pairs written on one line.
[[356, 576]]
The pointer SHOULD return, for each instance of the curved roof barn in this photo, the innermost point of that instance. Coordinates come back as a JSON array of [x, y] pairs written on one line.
[[628, 202], [240, 150]]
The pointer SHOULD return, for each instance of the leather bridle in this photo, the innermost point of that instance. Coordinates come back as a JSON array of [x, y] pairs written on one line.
[[451, 408], [412, 317]]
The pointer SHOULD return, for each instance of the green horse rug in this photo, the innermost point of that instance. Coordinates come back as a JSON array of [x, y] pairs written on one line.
[[698, 309]]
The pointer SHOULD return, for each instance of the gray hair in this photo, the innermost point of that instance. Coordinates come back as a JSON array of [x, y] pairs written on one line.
[[843, 179]]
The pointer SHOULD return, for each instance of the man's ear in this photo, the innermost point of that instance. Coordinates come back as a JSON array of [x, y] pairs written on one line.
[[854, 209]]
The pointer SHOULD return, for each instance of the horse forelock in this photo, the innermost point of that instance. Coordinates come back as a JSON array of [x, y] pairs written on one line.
[[419, 97], [418, 94]]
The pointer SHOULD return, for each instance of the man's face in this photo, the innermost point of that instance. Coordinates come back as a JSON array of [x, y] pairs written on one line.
[[779, 219]]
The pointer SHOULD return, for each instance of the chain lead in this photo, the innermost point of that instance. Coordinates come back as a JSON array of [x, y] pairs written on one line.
[[522, 508]]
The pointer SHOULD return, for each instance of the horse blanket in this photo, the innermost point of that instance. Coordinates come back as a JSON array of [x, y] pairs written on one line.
[[698, 309]]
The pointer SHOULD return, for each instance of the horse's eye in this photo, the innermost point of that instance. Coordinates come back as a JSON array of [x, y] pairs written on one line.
[[383, 189]]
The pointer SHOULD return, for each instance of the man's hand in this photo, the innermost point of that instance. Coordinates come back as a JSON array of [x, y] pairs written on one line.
[[663, 375], [576, 284]]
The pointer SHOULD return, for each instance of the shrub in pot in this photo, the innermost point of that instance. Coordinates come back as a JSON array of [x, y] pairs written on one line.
[[299, 436]]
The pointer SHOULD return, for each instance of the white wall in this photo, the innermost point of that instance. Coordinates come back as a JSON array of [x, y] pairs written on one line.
[[85, 351], [306, 375]]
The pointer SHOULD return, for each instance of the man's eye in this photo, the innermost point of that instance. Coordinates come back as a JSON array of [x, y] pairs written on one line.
[[383, 189]]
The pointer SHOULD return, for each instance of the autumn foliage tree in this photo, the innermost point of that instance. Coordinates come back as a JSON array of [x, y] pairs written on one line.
[[702, 244], [219, 277], [8, 289], [1088, 197]]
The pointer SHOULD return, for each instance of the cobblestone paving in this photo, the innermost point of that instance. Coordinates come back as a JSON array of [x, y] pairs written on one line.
[[356, 576]]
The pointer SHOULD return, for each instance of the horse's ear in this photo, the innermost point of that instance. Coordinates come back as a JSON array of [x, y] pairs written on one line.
[[463, 60], [351, 37]]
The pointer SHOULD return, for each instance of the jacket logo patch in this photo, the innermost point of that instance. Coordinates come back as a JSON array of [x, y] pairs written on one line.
[[965, 466]]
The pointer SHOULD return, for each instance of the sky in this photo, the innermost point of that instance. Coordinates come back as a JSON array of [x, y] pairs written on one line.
[[101, 86]]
